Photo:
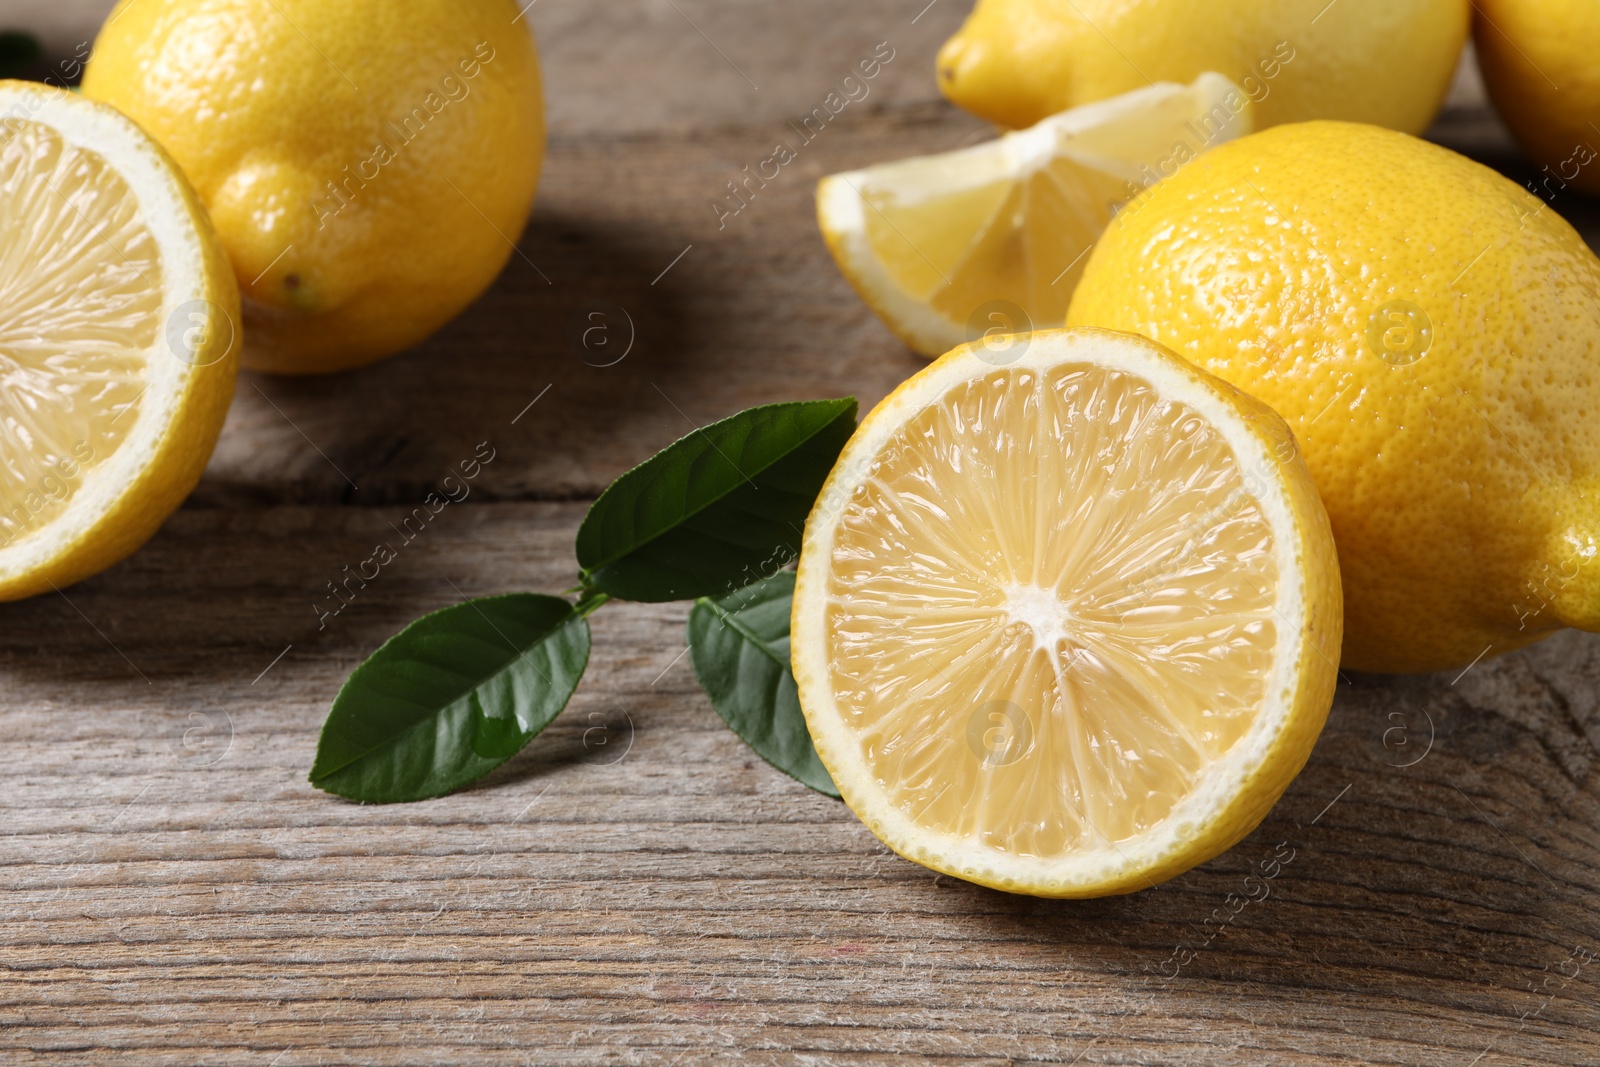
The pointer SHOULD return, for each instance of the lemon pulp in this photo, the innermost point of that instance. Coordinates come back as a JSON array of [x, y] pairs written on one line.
[[993, 237], [80, 308], [1019, 239], [1051, 607]]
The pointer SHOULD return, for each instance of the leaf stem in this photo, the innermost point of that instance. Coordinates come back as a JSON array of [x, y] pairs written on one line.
[[590, 603]]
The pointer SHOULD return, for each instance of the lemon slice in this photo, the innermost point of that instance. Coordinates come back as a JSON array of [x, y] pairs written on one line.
[[1067, 623], [993, 238], [117, 345]]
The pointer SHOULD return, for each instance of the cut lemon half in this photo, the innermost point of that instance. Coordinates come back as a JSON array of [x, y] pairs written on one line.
[[949, 247], [118, 350], [1066, 624]]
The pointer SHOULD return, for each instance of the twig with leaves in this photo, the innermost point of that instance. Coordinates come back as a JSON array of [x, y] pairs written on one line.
[[712, 518]]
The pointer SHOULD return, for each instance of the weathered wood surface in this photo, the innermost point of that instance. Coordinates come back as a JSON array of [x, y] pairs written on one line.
[[637, 887]]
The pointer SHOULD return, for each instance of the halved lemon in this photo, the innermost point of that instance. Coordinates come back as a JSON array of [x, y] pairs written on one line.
[[993, 238], [1067, 618], [118, 350]]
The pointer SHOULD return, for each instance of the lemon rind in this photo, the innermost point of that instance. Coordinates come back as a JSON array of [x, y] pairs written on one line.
[[841, 212], [1237, 790], [122, 500]]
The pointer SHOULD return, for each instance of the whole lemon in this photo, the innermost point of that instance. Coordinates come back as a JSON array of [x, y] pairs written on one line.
[[1539, 62], [1383, 61], [367, 163], [1430, 331]]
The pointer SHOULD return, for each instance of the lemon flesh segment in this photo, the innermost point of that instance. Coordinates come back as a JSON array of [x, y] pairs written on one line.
[[118, 338], [1051, 617], [80, 285], [948, 246]]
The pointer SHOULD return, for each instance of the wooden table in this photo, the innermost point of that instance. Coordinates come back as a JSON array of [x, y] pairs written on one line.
[[637, 887]]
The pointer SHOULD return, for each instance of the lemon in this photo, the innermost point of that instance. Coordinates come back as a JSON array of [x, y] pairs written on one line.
[[1431, 331], [118, 338], [1538, 63], [1065, 615], [1382, 61], [368, 164], [991, 239]]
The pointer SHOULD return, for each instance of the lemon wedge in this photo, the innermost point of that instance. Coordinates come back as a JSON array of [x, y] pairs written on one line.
[[118, 349], [992, 238], [1067, 618]]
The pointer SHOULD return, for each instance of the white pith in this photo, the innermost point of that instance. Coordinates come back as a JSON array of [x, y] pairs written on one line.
[[840, 747], [164, 213], [842, 210], [1041, 611]]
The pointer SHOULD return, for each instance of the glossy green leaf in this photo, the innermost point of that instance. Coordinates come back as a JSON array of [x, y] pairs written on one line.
[[718, 509], [451, 697], [740, 648]]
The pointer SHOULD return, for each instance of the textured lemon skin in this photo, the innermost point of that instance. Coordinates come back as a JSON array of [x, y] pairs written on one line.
[[194, 423], [1387, 62], [1462, 486], [1315, 670], [1538, 59], [272, 105]]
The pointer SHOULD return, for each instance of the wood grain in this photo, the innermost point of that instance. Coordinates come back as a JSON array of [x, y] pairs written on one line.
[[637, 887]]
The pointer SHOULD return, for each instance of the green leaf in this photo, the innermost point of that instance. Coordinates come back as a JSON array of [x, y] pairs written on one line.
[[451, 697], [740, 648], [717, 510]]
